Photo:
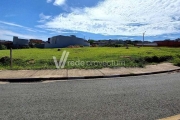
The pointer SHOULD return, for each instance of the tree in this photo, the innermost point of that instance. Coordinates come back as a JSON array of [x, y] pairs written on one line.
[[91, 41], [178, 39], [3, 47]]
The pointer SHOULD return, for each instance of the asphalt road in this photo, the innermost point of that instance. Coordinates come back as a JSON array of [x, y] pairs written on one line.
[[129, 98]]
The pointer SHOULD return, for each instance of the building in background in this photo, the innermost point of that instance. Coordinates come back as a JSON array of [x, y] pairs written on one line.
[[8, 44], [20, 42], [35, 41], [65, 41], [168, 43], [107, 42], [147, 44], [2, 41]]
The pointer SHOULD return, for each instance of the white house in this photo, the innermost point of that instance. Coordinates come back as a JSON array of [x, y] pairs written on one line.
[[65, 41]]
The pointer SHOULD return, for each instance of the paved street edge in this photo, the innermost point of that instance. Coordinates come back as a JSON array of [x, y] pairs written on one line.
[[83, 77]]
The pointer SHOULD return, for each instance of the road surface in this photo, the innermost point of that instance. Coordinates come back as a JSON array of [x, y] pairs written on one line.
[[129, 98]]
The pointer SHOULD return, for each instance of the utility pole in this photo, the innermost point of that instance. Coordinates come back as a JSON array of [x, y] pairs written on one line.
[[143, 38], [11, 58]]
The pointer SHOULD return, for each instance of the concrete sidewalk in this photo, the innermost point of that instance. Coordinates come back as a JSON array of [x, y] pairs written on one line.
[[21, 75]]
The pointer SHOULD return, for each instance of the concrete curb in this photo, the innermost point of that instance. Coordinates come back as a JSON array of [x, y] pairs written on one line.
[[84, 77]]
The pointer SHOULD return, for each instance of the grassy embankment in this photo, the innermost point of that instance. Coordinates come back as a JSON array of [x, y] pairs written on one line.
[[133, 57]]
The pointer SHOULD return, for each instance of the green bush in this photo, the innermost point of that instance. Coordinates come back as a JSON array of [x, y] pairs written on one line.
[[118, 45], [176, 61], [3, 47], [157, 59], [5, 60]]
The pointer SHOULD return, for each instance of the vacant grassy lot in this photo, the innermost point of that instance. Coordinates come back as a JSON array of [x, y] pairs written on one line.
[[132, 57]]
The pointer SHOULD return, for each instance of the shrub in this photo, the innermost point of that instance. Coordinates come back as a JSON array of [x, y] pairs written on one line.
[[157, 59], [5, 60], [176, 61], [118, 45], [25, 47], [3, 47]]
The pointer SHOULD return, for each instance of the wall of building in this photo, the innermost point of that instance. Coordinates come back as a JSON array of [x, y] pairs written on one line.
[[20, 42], [39, 45], [168, 43], [65, 41], [8, 44], [146, 44], [35, 41]]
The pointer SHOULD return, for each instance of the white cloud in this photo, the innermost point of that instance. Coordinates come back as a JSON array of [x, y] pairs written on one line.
[[16, 25], [59, 2], [20, 26], [49, 1], [121, 17], [43, 17], [8, 30], [9, 34], [11, 24]]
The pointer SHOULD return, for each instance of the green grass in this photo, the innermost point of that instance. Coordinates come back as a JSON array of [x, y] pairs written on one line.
[[133, 57]]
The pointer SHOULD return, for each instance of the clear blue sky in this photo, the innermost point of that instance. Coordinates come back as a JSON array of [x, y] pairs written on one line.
[[96, 19]]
